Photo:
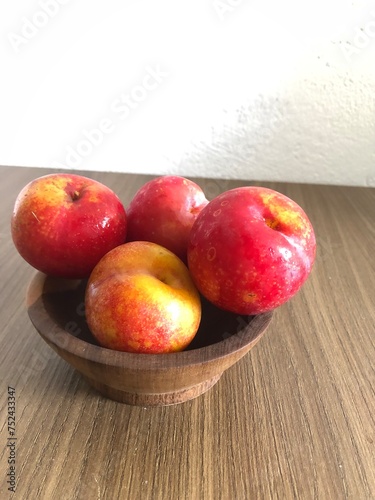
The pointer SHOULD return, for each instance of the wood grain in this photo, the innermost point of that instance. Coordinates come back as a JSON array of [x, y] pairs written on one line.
[[292, 419]]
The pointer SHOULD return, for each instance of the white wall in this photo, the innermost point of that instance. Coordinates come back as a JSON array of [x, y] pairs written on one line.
[[259, 90]]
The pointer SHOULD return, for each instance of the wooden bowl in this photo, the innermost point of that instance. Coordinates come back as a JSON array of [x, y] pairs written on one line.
[[56, 309]]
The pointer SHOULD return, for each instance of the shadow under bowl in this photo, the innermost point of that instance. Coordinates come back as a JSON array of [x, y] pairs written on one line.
[[56, 309]]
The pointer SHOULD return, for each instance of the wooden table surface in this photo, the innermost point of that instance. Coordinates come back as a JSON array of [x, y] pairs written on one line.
[[293, 419]]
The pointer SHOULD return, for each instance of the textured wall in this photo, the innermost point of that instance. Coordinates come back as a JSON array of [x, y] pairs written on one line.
[[257, 90]]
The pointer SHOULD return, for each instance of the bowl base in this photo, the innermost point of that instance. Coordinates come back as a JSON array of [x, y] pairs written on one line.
[[153, 399]]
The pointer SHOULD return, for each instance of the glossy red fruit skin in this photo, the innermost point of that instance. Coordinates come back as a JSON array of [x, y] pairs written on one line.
[[62, 224], [163, 211], [251, 249]]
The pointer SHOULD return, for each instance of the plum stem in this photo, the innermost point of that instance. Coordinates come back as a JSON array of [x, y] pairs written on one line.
[[75, 195], [272, 223]]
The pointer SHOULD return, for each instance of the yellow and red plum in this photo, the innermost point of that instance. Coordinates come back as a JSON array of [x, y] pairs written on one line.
[[63, 224], [163, 211], [251, 249], [140, 298]]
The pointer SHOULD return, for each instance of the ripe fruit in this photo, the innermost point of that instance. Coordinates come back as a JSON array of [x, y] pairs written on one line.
[[63, 224], [163, 211], [250, 250], [141, 298]]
